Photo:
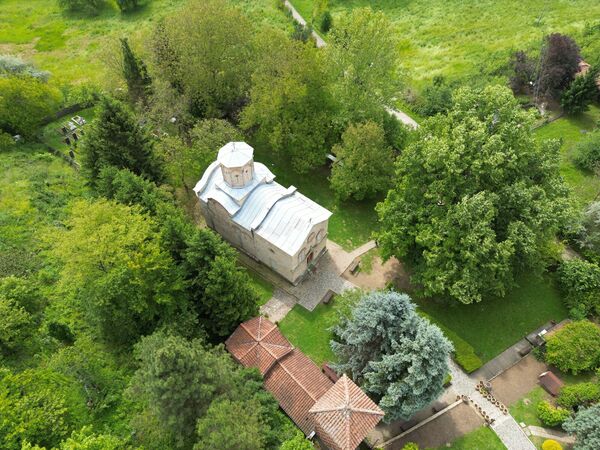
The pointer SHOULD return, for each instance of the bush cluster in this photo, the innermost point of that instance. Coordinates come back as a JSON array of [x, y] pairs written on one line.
[[551, 415]]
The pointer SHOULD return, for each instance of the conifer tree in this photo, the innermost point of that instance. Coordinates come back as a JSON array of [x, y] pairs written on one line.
[[135, 73], [392, 353], [115, 138]]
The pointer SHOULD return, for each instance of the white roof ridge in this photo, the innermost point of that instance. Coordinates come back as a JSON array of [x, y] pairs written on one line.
[[290, 191]]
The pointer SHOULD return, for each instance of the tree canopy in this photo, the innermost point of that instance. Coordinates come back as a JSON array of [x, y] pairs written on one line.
[[574, 348], [586, 427], [476, 198], [392, 353]]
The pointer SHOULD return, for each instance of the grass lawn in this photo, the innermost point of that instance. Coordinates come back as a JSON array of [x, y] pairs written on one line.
[[352, 222], [74, 48], [264, 288], [309, 330], [468, 39], [525, 410], [481, 439], [585, 186], [496, 323]]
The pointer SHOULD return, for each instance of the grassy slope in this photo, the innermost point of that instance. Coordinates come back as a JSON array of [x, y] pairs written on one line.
[[481, 439], [74, 48], [585, 186], [464, 38]]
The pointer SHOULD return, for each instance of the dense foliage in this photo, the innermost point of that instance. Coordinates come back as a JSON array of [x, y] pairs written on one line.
[[476, 198], [574, 348], [580, 281], [550, 415], [115, 138], [586, 427], [392, 353], [365, 162], [559, 63], [581, 394], [587, 152]]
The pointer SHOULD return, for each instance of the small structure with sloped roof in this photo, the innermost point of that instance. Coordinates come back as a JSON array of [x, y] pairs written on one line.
[[275, 225], [340, 414]]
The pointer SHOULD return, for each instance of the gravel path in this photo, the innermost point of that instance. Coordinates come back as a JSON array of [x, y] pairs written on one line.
[[551, 434]]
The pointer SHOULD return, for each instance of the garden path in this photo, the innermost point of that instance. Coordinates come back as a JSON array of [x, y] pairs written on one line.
[[320, 42], [551, 434], [505, 426]]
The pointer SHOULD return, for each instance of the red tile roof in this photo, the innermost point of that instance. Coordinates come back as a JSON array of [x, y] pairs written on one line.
[[258, 343], [297, 383], [344, 415], [341, 414]]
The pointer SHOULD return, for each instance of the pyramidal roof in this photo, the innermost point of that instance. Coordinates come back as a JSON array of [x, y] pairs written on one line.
[[258, 343], [344, 415]]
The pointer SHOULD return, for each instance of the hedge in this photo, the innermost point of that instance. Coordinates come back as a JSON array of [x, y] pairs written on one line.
[[464, 353]]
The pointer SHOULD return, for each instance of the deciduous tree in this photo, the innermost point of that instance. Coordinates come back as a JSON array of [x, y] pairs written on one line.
[[558, 65], [392, 353], [574, 348], [365, 164], [476, 198], [290, 106]]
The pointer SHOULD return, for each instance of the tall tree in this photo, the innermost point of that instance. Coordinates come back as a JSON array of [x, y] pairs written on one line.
[[115, 138], [476, 198], [220, 289], [290, 107], [365, 165], [581, 93], [216, 428], [586, 427], [135, 73], [211, 44], [392, 353], [558, 65], [177, 381], [115, 271], [362, 56]]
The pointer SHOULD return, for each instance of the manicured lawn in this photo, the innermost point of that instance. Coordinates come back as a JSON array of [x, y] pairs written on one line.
[[496, 323], [352, 223], [309, 330], [481, 439], [263, 287], [525, 410], [585, 186], [74, 48], [468, 39]]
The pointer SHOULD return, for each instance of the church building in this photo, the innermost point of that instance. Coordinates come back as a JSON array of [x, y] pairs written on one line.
[[277, 226]]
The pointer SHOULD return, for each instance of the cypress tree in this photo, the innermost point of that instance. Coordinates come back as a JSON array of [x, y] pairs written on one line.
[[135, 73]]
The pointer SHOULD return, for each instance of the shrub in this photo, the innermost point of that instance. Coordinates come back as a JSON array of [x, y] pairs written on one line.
[[436, 98], [90, 7], [551, 415], [581, 394], [12, 65], [6, 141], [550, 444], [589, 235], [582, 91], [410, 446], [575, 347], [127, 5], [523, 67], [587, 152], [580, 281], [326, 22]]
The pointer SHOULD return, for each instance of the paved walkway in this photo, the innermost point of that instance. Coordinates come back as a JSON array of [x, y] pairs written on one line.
[[278, 306], [505, 426], [551, 434], [320, 42]]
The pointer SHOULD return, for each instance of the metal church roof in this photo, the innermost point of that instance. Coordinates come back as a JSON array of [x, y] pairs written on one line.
[[235, 154], [283, 217]]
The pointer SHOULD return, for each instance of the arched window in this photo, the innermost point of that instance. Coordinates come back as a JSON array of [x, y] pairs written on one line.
[[320, 235], [311, 236], [302, 255]]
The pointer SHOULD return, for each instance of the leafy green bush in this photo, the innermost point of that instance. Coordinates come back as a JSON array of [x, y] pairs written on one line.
[[6, 142], [580, 394], [587, 152], [410, 446], [326, 22], [91, 7], [580, 281], [551, 415], [575, 348], [436, 98]]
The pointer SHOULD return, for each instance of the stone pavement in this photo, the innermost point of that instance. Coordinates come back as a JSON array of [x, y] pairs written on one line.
[[505, 426], [551, 434], [278, 306]]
